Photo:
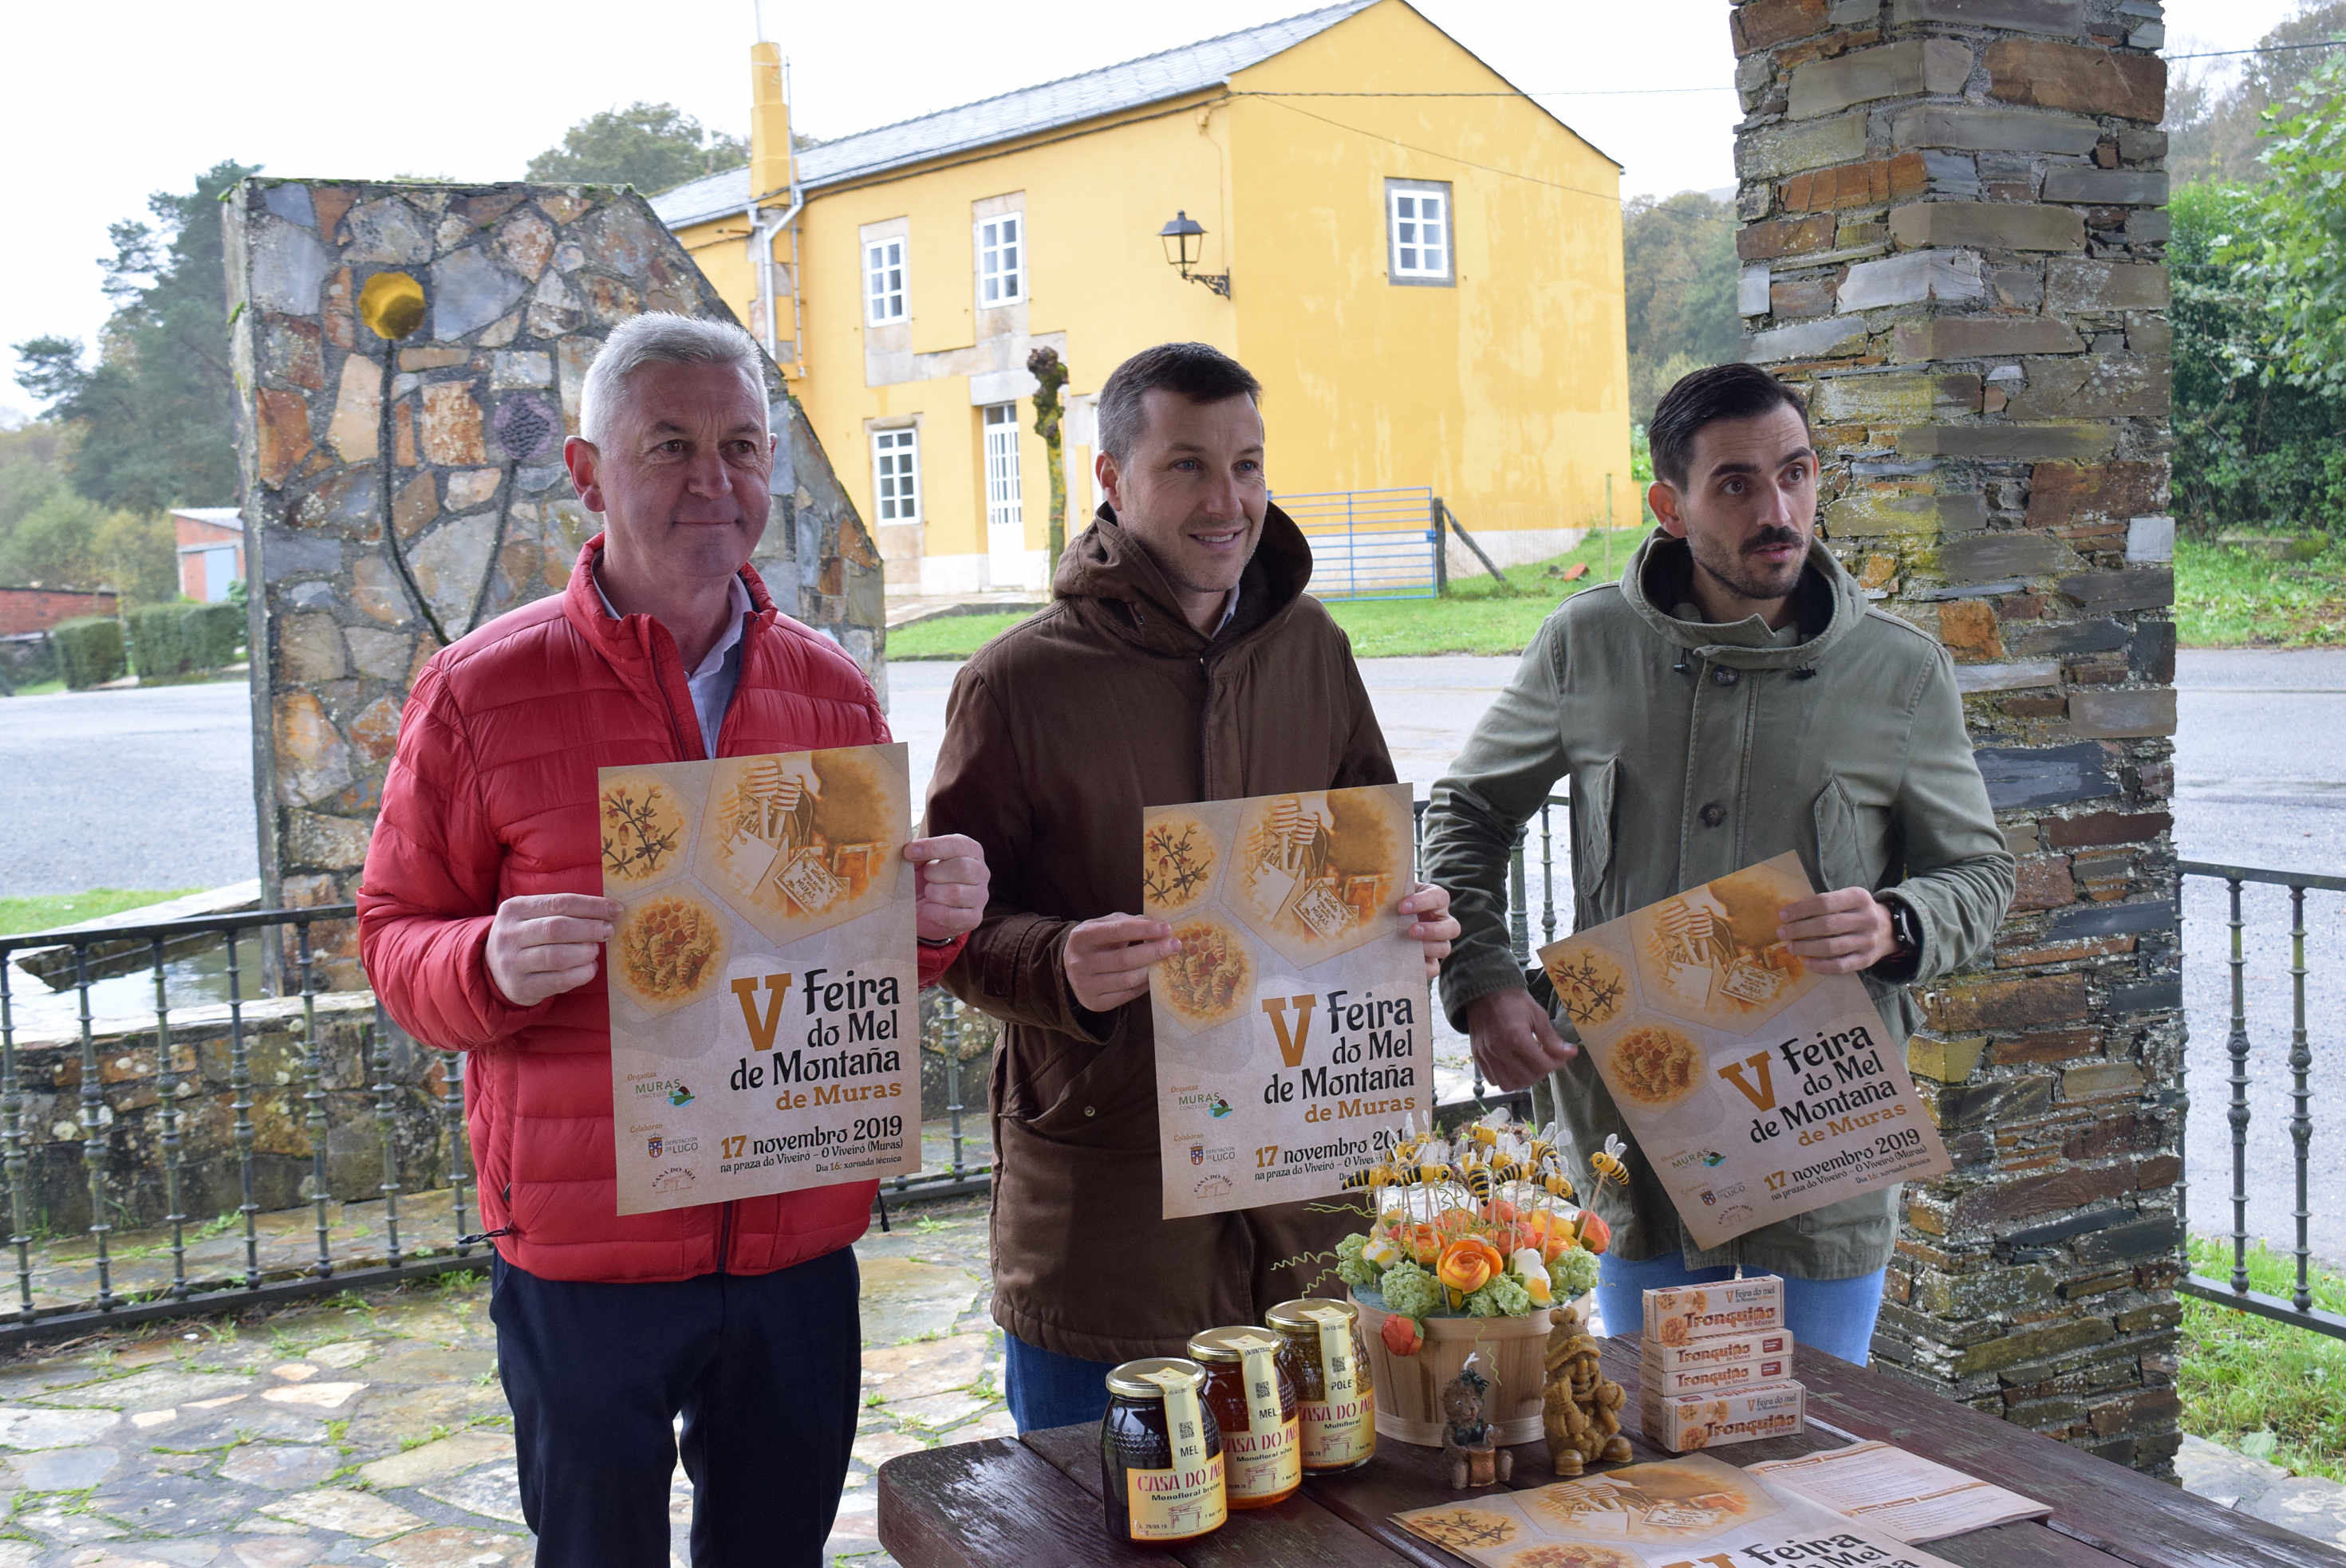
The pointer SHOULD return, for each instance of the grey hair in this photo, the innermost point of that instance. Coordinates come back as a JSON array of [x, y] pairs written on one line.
[[661, 338]]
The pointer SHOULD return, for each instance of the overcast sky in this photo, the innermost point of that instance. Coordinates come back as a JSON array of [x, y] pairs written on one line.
[[108, 102]]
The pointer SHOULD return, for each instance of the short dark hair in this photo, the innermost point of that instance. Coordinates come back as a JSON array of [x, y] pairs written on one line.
[[1198, 372], [1705, 397]]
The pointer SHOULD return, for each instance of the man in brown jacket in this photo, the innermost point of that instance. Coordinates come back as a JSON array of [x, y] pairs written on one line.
[[1180, 662]]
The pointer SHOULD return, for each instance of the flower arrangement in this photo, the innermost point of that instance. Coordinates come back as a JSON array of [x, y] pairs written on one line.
[[1480, 1227]]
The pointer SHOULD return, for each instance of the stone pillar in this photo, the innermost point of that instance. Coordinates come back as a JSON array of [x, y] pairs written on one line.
[[449, 435], [1953, 237]]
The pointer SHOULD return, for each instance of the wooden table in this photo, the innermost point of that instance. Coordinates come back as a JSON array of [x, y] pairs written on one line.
[[1035, 1500]]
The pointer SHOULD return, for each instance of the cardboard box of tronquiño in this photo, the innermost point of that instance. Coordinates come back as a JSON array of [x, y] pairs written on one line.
[[1727, 1347], [1719, 1379], [1682, 1422], [1682, 1314]]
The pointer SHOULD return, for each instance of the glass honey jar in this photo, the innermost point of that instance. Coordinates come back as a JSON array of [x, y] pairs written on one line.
[[1160, 1455], [1335, 1399], [1253, 1402]]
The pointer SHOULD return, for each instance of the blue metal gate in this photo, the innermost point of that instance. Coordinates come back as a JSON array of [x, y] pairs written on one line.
[[1370, 543]]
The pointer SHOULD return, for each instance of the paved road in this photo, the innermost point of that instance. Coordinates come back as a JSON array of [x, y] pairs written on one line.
[[2261, 781], [151, 788], [138, 788]]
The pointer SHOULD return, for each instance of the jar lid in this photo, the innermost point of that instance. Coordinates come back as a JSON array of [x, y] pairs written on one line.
[[1228, 1346], [1137, 1379], [1300, 1315]]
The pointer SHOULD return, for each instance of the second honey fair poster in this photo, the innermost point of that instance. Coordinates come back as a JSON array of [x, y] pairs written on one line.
[[1292, 1027]]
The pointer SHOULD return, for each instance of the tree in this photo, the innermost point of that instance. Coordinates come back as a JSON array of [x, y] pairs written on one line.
[[2252, 448], [157, 413], [2302, 259], [648, 146], [2216, 133], [1679, 264]]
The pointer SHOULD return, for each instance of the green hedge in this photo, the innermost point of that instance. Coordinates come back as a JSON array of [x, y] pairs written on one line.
[[183, 638], [89, 650]]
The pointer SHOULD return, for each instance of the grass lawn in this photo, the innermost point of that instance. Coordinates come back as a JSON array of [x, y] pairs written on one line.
[[51, 912], [2224, 598], [1476, 618], [39, 688], [2267, 1389]]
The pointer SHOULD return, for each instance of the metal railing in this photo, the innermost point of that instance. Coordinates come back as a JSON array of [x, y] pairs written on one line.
[[207, 977], [1370, 543], [2297, 1307], [279, 941]]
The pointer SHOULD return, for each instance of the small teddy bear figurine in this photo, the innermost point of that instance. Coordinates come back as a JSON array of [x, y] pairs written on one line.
[[1580, 1408], [1468, 1448]]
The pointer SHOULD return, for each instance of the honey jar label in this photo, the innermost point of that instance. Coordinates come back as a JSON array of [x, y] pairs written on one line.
[[1259, 1361], [1177, 1503], [1337, 1433], [1264, 1460]]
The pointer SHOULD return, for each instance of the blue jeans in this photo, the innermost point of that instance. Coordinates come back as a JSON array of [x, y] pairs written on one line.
[[1048, 1389], [1835, 1316]]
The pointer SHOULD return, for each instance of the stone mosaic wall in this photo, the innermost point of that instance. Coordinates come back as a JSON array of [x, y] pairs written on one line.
[[398, 490], [1954, 238]]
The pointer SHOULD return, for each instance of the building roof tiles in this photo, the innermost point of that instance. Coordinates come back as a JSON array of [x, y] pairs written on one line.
[[1070, 100]]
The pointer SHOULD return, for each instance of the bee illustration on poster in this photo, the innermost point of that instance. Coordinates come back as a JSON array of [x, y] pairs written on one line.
[[763, 975], [1292, 1025]]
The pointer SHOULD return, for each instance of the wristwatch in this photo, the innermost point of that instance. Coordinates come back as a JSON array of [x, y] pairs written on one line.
[[1905, 932]]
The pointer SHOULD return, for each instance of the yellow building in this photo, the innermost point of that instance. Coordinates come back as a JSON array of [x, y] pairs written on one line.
[[1422, 266]]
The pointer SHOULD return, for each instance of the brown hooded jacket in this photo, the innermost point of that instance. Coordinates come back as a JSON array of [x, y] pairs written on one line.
[[1058, 733]]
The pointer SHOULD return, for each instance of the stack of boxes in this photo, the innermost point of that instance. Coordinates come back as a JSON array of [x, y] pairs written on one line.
[[1715, 1366]]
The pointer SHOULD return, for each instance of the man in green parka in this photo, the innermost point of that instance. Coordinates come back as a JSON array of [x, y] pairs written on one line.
[[1734, 696]]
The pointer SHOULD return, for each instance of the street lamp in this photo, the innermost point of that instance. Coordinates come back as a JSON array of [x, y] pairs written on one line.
[[1181, 249]]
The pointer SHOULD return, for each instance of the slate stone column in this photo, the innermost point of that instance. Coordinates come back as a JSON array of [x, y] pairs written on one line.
[[1953, 237]]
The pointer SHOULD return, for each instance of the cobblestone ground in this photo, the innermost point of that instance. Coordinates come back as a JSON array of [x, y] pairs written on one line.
[[370, 1428]]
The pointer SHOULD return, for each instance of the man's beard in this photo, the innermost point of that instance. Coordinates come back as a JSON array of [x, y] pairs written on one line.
[[1733, 567]]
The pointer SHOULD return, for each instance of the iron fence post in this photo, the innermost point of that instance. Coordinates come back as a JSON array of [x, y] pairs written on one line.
[[240, 1083], [12, 1107], [378, 1055], [93, 1128], [313, 1067], [168, 1089], [2238, 1045], [460, 1163], [951, 1008], [2300, 1060]]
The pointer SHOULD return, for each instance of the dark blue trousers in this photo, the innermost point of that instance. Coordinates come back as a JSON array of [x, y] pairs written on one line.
[[764, 1370]]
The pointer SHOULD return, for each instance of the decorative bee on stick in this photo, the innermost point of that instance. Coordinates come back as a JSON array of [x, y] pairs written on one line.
[[1374, 1177], [1607, 1163], [1476, 1175]]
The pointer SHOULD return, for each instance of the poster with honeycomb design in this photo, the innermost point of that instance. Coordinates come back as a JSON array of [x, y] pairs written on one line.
[[763, 977], [1754, 1088], [1292, 1033]]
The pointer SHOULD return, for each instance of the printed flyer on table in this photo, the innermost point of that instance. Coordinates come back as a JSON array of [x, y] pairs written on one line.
[[765, 1011], [1755, 1087], [1693, 1513], [1291, 1033]]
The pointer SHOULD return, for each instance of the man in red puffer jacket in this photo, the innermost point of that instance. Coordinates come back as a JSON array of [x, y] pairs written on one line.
[[480, 922]]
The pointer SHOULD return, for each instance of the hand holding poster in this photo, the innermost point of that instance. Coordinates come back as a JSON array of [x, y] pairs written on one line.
[[763, 977], [1756, 1088], [1290, 1027]]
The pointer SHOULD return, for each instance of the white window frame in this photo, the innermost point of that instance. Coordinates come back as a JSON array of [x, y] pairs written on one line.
[[1414, 256], [884, 295], [1005, 505], [1001, 258], [896, 474]]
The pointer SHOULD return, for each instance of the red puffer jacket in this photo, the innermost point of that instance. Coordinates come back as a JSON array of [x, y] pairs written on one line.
[[491, 794]]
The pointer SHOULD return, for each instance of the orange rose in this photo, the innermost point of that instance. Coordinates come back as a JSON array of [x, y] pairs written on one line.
[[1595, 1234], [1505, 1211], [1401, 1335], [1424, 1244], [1456, 1221], [1468, 1264]]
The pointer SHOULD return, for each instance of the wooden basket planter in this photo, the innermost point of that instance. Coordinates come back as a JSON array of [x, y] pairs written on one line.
[[1409, 1387]]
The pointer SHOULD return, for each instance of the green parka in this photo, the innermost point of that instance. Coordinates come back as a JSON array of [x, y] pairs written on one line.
[[1694, 750]]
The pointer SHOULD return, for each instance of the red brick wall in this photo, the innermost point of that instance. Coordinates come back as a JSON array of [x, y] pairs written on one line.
[[38, 609]]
